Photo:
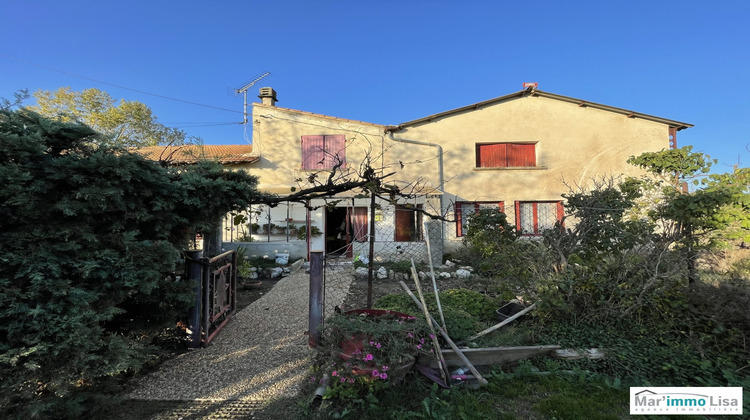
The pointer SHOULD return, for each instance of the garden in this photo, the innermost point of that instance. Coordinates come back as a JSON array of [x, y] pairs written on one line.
[[656, 284]]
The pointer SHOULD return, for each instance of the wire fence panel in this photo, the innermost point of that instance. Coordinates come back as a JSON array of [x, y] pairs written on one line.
[[361, 272]]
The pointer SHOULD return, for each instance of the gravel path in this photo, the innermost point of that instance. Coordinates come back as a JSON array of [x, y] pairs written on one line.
[[260, 355]]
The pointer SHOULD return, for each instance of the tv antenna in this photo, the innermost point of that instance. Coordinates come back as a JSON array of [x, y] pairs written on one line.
[[243, 90]]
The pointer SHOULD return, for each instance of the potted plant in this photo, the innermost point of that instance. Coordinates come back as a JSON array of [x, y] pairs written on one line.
[[367, 349], [268, 227], [302, 232]]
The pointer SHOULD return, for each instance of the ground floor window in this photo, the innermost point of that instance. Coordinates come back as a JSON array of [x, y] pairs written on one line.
[[465, 209], [534, 217], [408, 223]]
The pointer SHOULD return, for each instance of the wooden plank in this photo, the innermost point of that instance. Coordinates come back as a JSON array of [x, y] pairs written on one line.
[[489, 355]]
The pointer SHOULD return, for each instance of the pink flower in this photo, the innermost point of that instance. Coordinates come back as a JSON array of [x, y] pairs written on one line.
[[335, 373], [351, 381], [377, 345], [432, 337], [375, 373], [419, 346], [368, 357], [343, 379], [410, 335], [383, 375], [385, 368], [312, 379]]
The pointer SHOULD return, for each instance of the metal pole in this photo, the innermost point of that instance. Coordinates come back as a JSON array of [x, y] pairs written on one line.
[[371, 255], [315, 314], [195, 270]]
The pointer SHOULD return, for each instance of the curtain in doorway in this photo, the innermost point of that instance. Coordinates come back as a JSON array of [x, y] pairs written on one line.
[[359, 223]]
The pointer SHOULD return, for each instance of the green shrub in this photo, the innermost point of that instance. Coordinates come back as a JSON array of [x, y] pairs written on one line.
[[90, 239]]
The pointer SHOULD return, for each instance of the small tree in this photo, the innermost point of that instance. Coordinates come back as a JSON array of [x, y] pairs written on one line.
[[721, 202], [123, 123]]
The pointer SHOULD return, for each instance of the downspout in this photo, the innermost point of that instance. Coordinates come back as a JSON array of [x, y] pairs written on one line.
[[441, 179]]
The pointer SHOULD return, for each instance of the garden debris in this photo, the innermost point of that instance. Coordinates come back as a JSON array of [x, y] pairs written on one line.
[[490, 356], [502, 324], [435, 345], [571, 354], [481, 380]]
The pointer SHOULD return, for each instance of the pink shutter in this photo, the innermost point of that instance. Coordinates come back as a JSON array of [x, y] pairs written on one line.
[[521, 155], [313, 152], [335, 146]]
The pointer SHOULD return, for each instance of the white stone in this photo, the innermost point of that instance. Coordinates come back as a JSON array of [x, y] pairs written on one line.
[[463, 273], [382, 273], [444, 275], [449, 263], [276, 272], [361, 272], [467, 267]]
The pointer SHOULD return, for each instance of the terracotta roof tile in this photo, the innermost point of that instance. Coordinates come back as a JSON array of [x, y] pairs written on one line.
[[180, 155]]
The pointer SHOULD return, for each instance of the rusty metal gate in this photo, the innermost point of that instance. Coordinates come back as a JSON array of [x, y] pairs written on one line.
[[215, 281]]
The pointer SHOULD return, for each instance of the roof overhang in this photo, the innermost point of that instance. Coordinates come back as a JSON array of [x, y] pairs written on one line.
[[534, 92]]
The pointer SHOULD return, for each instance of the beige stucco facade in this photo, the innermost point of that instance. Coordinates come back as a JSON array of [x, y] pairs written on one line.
[[574, 142]]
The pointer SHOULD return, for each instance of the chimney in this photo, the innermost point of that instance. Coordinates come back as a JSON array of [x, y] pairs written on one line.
[[267, 96]]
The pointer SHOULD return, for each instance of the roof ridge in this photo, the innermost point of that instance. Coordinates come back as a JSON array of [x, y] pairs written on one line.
[[535, 92], [297, 111]]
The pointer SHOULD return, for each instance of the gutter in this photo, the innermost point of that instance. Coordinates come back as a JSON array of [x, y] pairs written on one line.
[[441, 179]]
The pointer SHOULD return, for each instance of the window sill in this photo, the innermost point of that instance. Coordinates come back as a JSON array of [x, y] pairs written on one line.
[[513, 168]]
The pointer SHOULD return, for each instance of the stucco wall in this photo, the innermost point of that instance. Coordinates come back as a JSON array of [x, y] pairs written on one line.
[[277, 135], [573, 145]]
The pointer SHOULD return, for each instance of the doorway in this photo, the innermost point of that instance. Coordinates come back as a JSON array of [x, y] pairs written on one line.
[[336, 231]]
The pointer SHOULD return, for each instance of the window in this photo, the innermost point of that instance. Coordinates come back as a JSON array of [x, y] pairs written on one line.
[[323, 152], [506, 155], [465, 209], [408, 224], [534, 217]]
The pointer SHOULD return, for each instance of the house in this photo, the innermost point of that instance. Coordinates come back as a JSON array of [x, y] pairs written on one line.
[[515, 152]]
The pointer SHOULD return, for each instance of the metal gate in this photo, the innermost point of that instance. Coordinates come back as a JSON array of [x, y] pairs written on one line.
[[215, 281]]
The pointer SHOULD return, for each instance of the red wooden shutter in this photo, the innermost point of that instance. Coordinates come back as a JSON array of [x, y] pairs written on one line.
[[459, 221], [491, 155], [518, 215], [313, 152], [560, 212], [403, 224], [521, 155], [335, 146]]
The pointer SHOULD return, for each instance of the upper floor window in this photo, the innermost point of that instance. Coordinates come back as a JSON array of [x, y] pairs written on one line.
[[534, 217], [464, 210], [323, 152], [506, 155]]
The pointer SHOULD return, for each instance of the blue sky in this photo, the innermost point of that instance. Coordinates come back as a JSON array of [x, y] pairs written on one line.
[[392, 61]]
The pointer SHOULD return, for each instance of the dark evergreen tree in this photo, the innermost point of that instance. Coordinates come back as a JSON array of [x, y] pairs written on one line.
[[86, 234]]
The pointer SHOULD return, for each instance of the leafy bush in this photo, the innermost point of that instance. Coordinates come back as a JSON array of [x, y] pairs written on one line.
[[90, 239]]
